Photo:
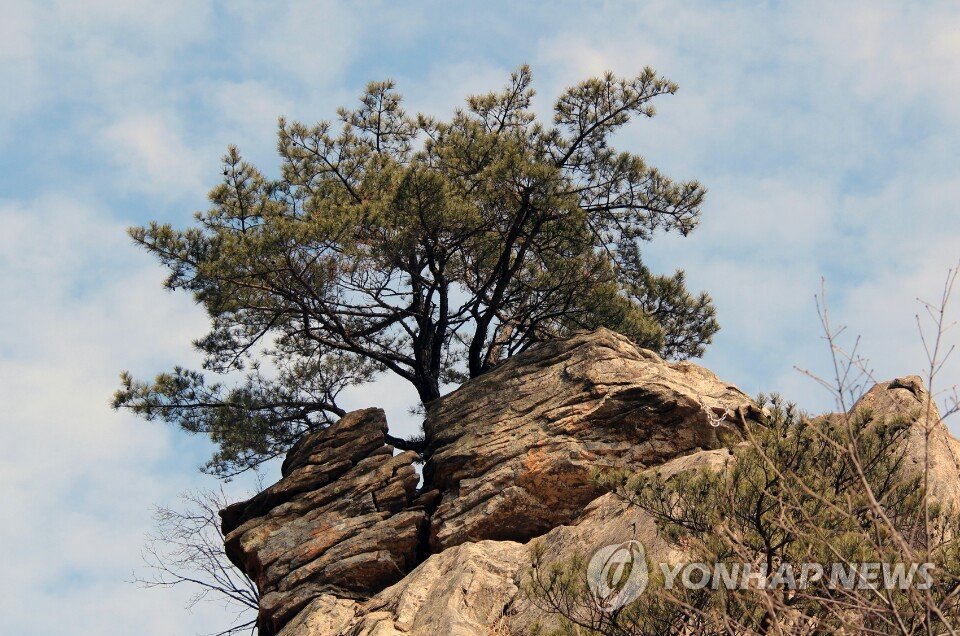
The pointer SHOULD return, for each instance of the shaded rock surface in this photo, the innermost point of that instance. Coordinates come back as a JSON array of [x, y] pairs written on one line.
[[339, 521], [512, 451]]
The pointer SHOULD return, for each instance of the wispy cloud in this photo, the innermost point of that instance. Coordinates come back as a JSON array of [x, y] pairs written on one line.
[[77, 479], [150, 156]]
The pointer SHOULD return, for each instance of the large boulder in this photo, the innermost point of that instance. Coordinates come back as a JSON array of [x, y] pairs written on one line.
[[340, 521], [511, 453]]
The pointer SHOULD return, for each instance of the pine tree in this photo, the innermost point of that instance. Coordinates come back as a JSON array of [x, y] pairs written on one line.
[[430, 249]]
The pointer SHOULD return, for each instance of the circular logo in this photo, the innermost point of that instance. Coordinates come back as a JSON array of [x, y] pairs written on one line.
[[617, 575]]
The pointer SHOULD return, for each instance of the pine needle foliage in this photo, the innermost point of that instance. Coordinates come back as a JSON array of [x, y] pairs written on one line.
[[431, 249]]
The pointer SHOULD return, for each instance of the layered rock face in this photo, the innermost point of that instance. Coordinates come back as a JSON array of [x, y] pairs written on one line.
[[346, 545], [341, 520], [512, 451], [473, 589]]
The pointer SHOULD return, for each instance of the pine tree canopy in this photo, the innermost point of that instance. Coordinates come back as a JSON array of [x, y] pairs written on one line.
[[430, 249]]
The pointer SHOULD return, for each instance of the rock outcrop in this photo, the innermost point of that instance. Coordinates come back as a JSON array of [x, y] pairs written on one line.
[[908, 399], [347, 545], [341, 521], [512, 452], [473, 588]]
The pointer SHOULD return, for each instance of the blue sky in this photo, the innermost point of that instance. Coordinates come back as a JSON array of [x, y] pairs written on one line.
[[827, 133]]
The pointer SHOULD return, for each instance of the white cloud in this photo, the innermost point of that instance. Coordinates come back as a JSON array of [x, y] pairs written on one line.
[[76, 478], [18, 65], [247, 113], [304, 39], [251, 106], [908, 48], [98, 50], [152, 157]]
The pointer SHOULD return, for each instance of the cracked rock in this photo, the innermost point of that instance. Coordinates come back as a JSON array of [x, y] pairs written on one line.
[[339, 522]]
